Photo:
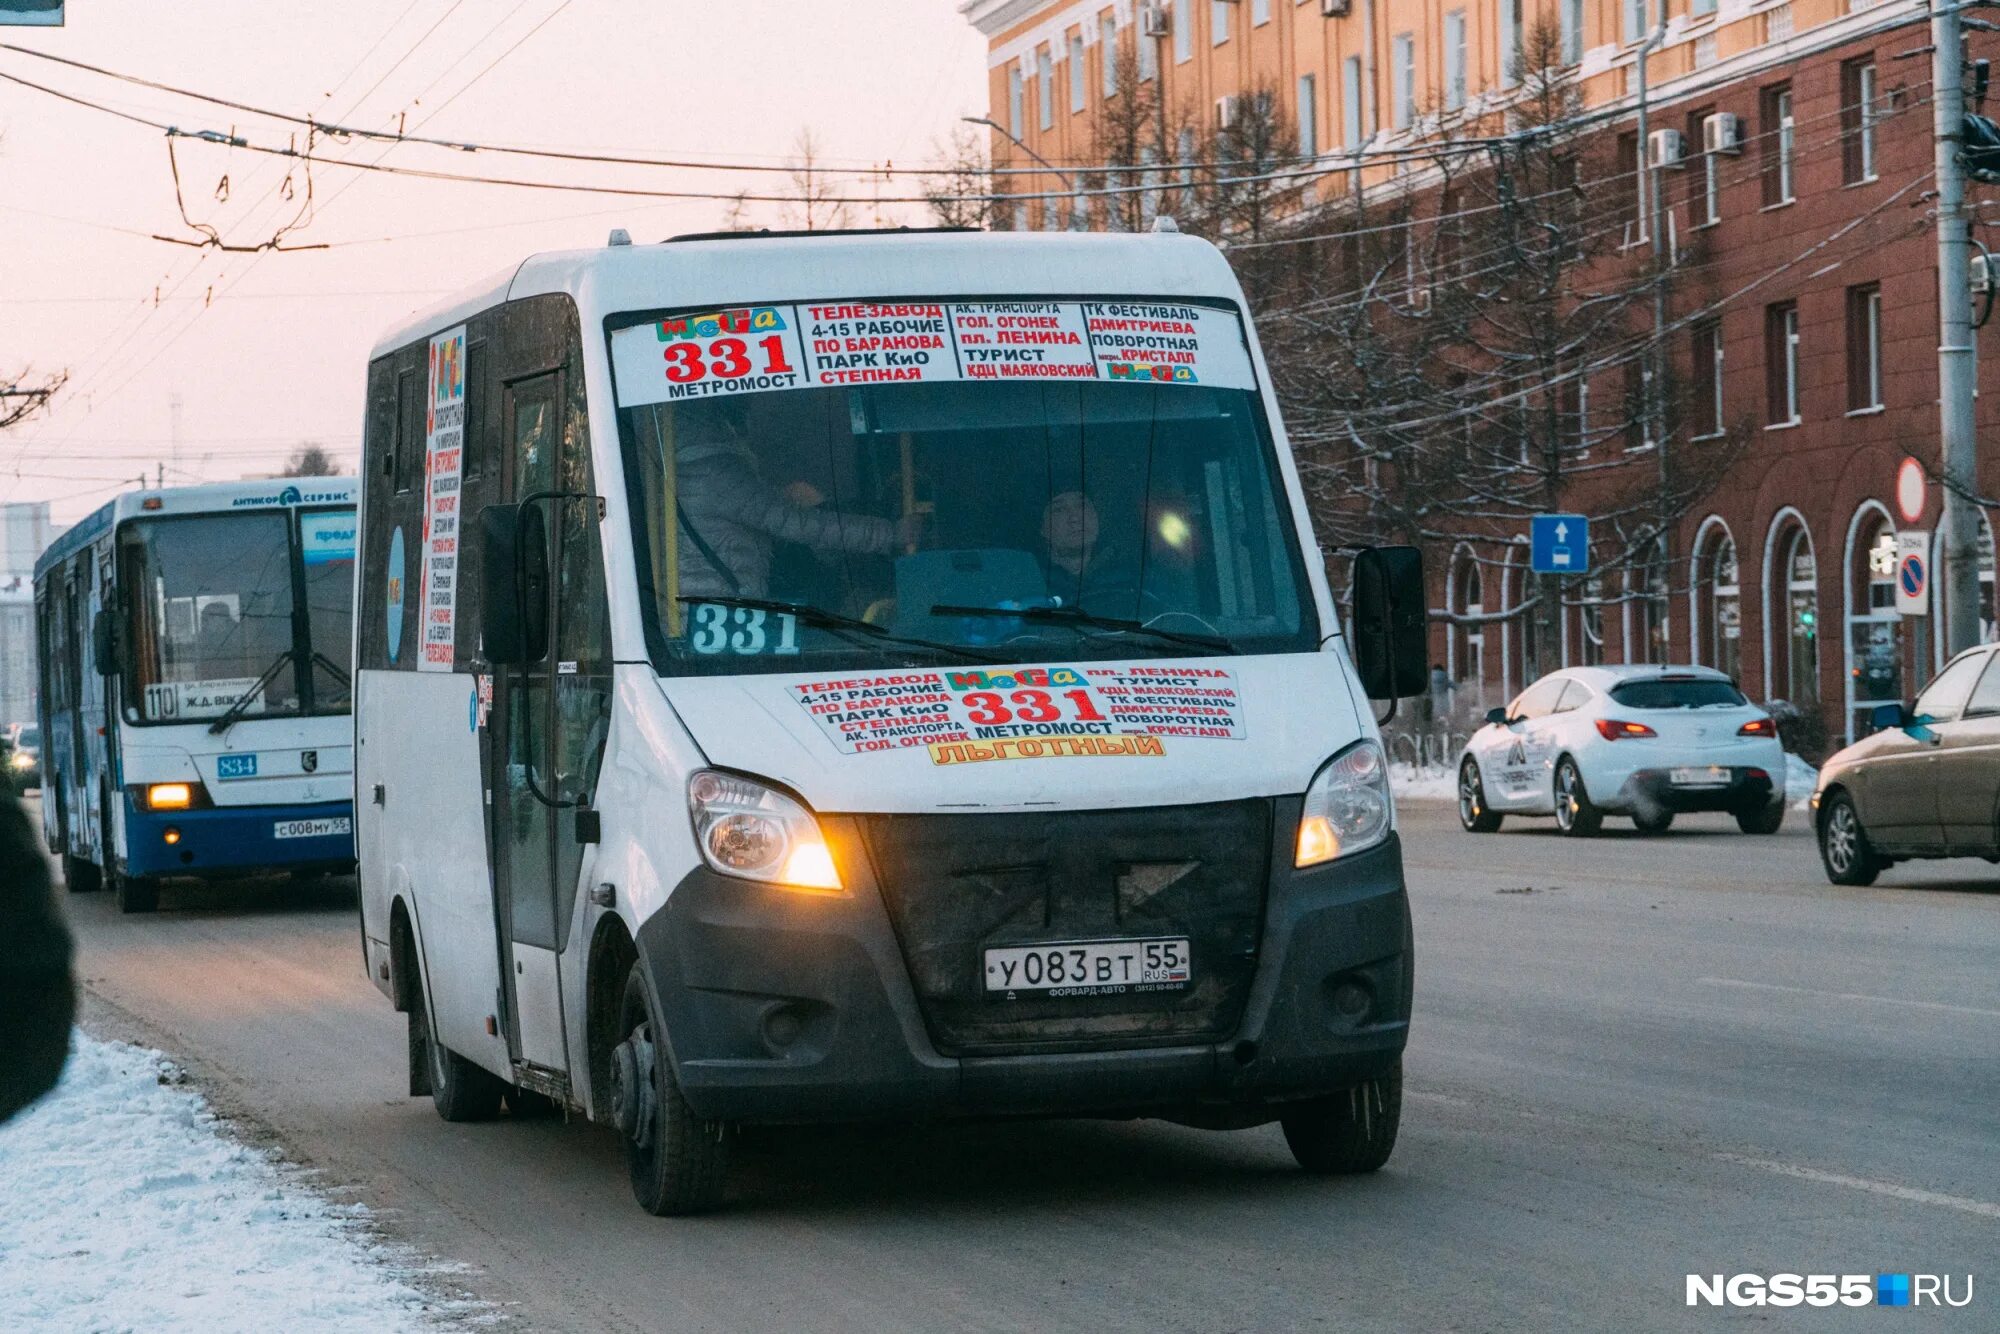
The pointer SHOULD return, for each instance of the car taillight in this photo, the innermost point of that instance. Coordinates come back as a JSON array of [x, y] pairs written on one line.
[[1758, 727], [1613, 730]]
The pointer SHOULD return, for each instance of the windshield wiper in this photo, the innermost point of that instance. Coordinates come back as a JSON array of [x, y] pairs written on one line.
[[838, 622], [1077, 617], [243, 701]]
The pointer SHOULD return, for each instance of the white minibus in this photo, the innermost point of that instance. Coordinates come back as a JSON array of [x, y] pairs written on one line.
[[838, 677], [196, 685]]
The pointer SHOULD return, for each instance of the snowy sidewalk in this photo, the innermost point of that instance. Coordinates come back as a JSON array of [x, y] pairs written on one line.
[[125, 1204]]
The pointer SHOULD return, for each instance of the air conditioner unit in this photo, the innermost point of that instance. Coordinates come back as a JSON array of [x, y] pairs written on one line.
[[1156, 21], [1336, 9], [1225, 112], [1722, 133], [1665, 148]]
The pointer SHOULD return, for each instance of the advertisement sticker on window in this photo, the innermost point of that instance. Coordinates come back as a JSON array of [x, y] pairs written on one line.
[[444, 465]]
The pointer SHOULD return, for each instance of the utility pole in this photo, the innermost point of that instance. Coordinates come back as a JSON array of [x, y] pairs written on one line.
[[1957, 370]]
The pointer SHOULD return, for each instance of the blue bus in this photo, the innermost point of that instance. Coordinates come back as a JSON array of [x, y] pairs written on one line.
[[197, 691]]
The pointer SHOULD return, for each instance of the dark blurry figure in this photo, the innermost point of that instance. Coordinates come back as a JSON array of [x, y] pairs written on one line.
[[37, 996]]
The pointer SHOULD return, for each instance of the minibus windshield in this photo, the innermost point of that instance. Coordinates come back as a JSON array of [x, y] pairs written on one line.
[[934, 516], [213, 602]]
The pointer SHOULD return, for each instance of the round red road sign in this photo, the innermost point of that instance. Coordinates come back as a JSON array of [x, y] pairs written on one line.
[[1912, 490]]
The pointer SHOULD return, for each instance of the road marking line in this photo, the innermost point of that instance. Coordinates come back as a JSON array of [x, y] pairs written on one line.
[[1910, 1193], [1848, 995]]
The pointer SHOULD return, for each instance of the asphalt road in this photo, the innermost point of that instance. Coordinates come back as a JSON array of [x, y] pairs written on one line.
[[1633, 1059]]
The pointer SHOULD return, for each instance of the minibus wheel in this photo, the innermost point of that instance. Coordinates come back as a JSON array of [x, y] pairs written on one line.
[[460, 1090], [1351, 1132], [677, 1161]]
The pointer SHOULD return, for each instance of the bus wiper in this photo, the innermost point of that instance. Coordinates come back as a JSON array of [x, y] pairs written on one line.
[[1077, 616], [243, 701], [838, 622]]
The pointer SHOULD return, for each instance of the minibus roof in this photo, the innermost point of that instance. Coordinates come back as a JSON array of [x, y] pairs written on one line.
[[202, 498], [755, 268]]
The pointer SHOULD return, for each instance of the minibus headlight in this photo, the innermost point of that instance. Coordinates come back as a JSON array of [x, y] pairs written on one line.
[[749, 830], [1347, 808]]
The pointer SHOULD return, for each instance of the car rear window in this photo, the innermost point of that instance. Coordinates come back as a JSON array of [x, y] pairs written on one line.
[[1667, 693]]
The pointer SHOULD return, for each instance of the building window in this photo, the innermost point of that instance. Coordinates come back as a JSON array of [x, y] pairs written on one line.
[[1857, 121], [1403, 81], [1107, 46], [1148, 51], [1701, 8], [1797, 670], [1077, 88], [1510, 43], [1045, 87], [1572, 31], [1218, 21], [1651, 620], [1183, 31], [1635, 19], [1350, 102], [1707, 376], [1149, 198], [1308, 116], [1709, 181], [1864, 347], [1079, 203], [1718, 602], [1015, 113], [1776, 134], [1260, 11], [1704, 49], [1583, 646], [1778, 23], [1781, 363], [1186, 147], [1454, 59], [1874, 630]]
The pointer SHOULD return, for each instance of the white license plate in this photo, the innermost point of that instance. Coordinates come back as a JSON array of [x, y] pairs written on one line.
[[1707, 775], [327, 828], [1090, 967]]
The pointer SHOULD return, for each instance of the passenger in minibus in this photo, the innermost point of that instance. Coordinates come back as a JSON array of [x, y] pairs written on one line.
[[730, 516]]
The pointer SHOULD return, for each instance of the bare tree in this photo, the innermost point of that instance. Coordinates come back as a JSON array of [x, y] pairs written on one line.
[[20, 400], [819, 206], [1125, 132], [310, 460], [955, 191], [737, 217]]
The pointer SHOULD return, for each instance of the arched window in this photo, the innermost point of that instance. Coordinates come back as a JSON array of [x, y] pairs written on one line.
[[1531, 635], [1651, 628], [1987, 631], [1873, 637], [1468, 637], [1583, 606], [1791, 604], [1715, 601]]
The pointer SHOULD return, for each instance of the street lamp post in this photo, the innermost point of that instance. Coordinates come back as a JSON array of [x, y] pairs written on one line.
[[995, 125]]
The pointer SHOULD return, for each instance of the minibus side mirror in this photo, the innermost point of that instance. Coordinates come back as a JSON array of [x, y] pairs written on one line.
[[104, 643], [1391, 637]]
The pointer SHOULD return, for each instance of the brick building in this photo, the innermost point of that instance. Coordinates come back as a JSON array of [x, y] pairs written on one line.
[[1820, 267]]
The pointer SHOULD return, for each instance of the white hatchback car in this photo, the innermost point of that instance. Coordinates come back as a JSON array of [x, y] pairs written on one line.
[[1643, 741]]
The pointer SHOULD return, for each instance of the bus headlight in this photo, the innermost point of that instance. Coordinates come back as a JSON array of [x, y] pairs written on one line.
[[169, 796], [1347, 807], [746, 829]]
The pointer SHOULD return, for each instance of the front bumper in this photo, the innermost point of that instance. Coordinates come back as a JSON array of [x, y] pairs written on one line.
[[784, 1007], [234, 840], [1653, 791]]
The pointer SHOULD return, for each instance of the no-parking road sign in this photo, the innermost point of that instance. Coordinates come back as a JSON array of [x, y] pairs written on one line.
[[1913, 573]]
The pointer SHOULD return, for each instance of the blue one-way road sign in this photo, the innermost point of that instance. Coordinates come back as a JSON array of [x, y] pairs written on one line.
[[1559, 544]]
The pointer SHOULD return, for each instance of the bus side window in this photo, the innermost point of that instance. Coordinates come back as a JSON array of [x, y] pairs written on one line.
[[407, 457], [377, 522]]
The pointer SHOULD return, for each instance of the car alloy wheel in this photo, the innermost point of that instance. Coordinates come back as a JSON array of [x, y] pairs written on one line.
[[1843, 838]]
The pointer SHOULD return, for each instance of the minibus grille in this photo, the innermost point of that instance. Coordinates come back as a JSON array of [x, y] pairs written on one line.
[[958, 885]]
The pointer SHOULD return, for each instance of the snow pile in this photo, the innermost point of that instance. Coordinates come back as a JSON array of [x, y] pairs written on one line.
[[1800, 780], [124, 1205], [1411, 783]]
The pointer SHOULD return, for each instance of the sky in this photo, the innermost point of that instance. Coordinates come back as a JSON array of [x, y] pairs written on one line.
[[263, 352]]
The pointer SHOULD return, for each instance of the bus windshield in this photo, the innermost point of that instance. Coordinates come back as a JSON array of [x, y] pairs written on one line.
[[214, 603], [835, 526]]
